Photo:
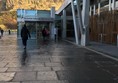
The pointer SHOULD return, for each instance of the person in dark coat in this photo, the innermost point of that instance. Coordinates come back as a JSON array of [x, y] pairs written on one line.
[[9, 31], [2, 31], [24, 35], [44, 34]]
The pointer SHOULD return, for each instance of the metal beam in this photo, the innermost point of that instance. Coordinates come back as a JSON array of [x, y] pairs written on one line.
[[79, 16], [64, 5], [75, 22], [85, 21]]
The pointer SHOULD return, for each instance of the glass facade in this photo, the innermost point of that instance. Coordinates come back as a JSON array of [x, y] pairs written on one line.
[[35, 21], [33, 13], [26, 13], [43, 14]]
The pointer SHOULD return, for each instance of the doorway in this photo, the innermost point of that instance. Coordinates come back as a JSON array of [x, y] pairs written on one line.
[[35, 29], [32, 29], [40, 27]]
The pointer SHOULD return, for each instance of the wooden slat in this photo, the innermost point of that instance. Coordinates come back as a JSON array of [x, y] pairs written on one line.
[[105, 24]]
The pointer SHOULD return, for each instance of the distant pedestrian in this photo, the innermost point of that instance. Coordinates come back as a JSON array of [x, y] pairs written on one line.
[[55, 34], [24, 35], [9, 32], [45, 33], [2, 31]]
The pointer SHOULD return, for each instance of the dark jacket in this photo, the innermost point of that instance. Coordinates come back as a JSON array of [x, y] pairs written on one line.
[[25, 33], [44, 32], [2, 31]]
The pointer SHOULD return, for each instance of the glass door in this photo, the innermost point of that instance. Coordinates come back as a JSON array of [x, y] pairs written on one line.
[[32, 28]]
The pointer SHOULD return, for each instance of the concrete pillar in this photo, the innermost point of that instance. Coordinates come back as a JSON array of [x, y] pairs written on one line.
[[113, 4], [109, 5], [52, 24], [24, 13], [85, 20], [94, 9], [64, 24], [99, 8], [79, 16], [21, 13], [75, 22], [90, 12], [36, 13], [53, 12]]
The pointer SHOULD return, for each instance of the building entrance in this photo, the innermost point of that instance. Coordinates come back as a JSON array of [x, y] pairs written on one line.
[[35, 29], [36, 20], [40, 27], [32, 29]]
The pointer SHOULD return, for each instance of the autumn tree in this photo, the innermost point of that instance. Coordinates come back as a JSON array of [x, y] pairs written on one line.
[[9, 20]]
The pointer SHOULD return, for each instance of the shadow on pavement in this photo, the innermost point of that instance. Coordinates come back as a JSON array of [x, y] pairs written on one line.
[[24, 57]]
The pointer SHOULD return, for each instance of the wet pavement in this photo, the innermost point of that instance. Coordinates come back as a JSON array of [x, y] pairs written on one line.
[[53, 62]]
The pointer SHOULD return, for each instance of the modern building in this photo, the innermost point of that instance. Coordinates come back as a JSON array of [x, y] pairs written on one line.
[[36, 20], [82, 21]]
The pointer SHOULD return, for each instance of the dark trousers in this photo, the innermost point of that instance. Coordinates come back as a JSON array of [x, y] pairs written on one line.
[[55, 37], [24, 41], [1, 33]]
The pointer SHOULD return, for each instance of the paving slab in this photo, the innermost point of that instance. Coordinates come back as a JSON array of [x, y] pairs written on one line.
[[3, 69], [3, 64], [51, 75], [42, 69], [7, 76], [25, 76], [19, 69]]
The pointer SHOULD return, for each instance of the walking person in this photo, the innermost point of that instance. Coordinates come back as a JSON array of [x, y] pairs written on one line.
[[24, 35], [44, 34], [9, 31], [55, 34], [2, 31]]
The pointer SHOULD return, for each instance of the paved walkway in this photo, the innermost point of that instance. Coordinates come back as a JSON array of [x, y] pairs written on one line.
[[50, 62], [105, 48], [109, 50]]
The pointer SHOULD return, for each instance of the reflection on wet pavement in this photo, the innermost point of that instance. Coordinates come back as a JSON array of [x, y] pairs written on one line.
[[53, 62], [24, 57]]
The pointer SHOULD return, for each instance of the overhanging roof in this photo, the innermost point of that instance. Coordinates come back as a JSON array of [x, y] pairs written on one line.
[[92, 2], [35, 19], [64, 5]]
